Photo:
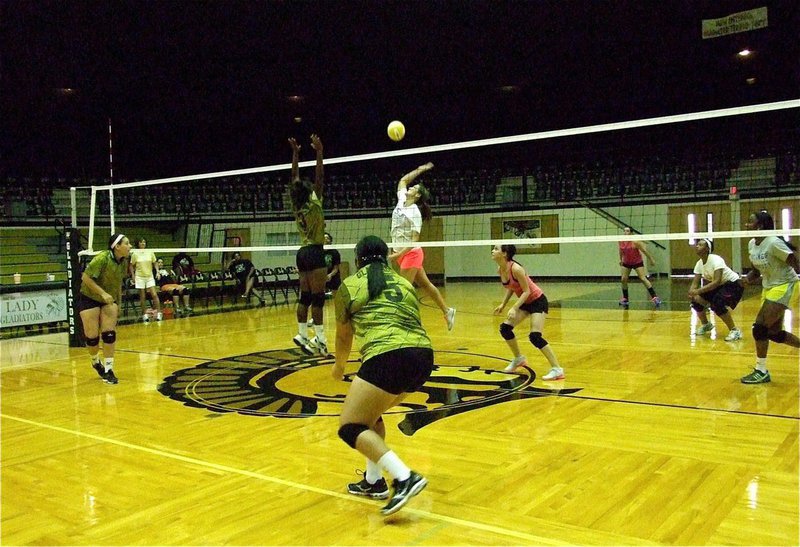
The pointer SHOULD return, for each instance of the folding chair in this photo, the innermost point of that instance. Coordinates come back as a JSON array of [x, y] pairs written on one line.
[[130, 296], [229, 286], [267, 285], [293, 279], [214, 288], [281, 287], [197, 281]]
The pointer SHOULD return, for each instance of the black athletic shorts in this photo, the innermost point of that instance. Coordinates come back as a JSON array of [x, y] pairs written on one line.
[[86, 303], [310, 258], [724, 296], [539, 305], [334, 283], [403, 370]]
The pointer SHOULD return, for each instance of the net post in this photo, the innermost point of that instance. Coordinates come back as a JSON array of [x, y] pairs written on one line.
[[73, 241], [73, 206], [736, 247], [111, 209], [93, 201]]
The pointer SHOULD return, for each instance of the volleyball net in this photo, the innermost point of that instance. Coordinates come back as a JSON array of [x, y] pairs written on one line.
[[562, 196]]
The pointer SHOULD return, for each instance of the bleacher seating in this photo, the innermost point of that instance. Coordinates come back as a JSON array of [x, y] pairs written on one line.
[[626, 178]]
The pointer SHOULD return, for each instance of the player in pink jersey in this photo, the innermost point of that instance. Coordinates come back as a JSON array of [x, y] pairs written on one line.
[[531, 301], [630, 258]]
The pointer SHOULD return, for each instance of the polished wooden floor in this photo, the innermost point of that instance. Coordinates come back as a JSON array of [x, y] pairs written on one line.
[[651, 439]]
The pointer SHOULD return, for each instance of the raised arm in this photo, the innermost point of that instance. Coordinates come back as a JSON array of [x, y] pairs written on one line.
[[316, 144], [409, 177], [295, 158]]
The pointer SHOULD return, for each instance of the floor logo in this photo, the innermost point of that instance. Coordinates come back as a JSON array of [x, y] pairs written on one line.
[[289, 384]]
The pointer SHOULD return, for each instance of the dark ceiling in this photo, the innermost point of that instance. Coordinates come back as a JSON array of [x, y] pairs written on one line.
[[195, 87]]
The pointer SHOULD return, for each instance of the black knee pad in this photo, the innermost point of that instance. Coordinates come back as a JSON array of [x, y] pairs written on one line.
[[92, 342], [350, 432], [109, 337], [187, 290], [760, 332], [318, 299], [506, 331], [779, 337], [537, 340], [176, 292], [305, 298], [697, 307], [718, 306]]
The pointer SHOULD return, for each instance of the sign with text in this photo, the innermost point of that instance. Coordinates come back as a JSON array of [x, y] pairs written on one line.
[[33, 308], [527, 227], [742, 21]]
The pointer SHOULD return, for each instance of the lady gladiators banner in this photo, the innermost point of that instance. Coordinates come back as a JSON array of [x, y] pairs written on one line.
[[33, 308]]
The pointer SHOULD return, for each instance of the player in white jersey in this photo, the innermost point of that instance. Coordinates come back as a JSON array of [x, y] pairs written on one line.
[[721, 290], [406, 227], [775, 261]]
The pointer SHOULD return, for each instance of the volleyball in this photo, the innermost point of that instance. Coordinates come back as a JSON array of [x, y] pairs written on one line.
[[396, 130]]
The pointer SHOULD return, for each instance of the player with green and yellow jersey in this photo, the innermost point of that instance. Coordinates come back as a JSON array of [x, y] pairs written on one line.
[[380, 309], [99, 300], [311, 267]]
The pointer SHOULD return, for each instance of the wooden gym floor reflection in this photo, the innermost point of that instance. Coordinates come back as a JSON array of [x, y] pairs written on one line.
[[221, 432]]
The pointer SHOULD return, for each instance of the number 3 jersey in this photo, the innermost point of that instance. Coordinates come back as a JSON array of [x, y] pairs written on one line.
[[389, 321]]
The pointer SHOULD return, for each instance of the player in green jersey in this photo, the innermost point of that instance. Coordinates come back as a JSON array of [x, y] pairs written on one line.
[[310, 218], [99, 300], [381, 308]]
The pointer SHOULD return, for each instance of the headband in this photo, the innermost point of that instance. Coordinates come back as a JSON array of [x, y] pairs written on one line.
[[709, 243], [120, 237]]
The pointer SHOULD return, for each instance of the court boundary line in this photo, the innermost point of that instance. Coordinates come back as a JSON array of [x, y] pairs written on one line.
[[682, 407], [536, 540]]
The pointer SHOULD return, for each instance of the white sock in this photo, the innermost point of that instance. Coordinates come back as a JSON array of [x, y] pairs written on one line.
[[109, 364], [394, 466], [96, 359], [761, 364], [303, 329], [373, 473], [320, 330]]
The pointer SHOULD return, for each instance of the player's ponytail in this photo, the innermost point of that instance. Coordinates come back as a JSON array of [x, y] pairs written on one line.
[[371, 252], [423, 201]]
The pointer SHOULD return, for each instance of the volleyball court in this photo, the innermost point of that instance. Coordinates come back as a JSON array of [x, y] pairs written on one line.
[[649, 409]]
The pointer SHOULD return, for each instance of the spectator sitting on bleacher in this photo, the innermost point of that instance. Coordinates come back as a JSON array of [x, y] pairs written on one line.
[[166, 281], [244, 271], [183, 266]]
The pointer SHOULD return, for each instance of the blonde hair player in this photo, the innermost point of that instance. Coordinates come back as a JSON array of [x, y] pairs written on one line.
[[412, 207], [142, 263]]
